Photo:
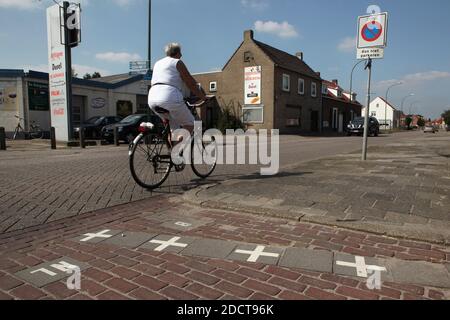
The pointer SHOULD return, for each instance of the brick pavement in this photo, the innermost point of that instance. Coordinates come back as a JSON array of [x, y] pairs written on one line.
[[117, 272]]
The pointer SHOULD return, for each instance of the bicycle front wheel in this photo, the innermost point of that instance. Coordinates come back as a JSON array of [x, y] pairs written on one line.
[[150, 161], [204, 157], [37, 134]]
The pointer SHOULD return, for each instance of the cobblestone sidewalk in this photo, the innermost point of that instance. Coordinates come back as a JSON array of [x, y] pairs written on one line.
[[403, 190], [204, 254]]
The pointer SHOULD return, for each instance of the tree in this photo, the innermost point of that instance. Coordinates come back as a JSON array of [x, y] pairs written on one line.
[[74, 73], [421, 122], [446, 116], [95, 75], [408, 122]]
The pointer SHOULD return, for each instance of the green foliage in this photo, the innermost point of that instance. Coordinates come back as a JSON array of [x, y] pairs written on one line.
[[408, 122], [229, 117], [446, 116], [421, 122]]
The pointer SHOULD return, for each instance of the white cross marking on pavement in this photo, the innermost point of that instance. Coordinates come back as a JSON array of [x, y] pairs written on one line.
[[361, 267], [91, 236], [171, 243], [258, 252]]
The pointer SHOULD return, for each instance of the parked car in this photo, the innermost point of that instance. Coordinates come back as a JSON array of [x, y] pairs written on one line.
[[128, 128], [429, 129], [357, 127], [447, 128], [93, 127]]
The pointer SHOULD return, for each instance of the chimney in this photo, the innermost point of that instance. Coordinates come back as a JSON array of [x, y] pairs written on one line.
[[318, 74], [335, 81], [299, 55], [248, 35]]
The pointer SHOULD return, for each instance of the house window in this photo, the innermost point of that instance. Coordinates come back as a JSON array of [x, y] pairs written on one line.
[[248, 56], [339, 93], [352, 115], [286, 83], [324, 89], [334, 120], [301, 86], [253, 114], [213, 86], [313, 89]]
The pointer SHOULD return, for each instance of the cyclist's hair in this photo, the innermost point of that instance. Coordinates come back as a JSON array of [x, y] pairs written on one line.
[[172, 49]]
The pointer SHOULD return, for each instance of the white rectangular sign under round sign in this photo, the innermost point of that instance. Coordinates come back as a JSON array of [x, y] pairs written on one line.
[[372, 53], [57, 74], [372, 31]]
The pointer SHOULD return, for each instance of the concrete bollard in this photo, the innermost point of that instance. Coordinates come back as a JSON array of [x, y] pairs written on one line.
[[2, 139], [53, 138]]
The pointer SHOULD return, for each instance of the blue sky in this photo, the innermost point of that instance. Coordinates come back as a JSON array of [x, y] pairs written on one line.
[[115, 32]]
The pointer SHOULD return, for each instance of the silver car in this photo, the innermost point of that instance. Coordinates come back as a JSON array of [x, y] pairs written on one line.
[[429, 129]]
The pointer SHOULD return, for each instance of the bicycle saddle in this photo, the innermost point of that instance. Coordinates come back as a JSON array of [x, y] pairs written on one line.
[[161, 110]]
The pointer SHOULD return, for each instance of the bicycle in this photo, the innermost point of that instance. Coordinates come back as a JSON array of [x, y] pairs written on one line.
[[35, 130], [150, 156]]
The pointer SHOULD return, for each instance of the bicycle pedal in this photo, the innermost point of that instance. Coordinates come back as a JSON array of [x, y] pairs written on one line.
[[180, 167]]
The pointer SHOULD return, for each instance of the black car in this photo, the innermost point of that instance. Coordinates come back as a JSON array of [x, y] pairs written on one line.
[[357, 127], [93, 127], [128, 128]]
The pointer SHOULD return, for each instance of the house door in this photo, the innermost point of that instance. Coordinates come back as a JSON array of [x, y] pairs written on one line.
[[78, 108], [341, 122], [315, 121]]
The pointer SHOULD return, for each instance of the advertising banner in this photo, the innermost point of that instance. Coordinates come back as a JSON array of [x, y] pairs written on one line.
[[8, 97], [253, 77], [57, 74]]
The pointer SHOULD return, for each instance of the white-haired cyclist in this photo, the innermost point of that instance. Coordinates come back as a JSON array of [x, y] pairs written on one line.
[[170, 75]]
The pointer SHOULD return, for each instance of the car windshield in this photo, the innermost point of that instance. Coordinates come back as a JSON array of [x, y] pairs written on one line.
[[131, 119], [358, 120], [94, 120]]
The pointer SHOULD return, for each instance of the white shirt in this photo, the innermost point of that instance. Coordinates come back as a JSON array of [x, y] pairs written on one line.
[[170, 85]]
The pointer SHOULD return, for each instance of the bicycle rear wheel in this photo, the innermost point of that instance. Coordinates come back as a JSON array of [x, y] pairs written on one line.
[[204, 157], [150, 161], [39, 134]]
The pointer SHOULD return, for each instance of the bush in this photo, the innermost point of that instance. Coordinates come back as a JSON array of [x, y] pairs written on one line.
[[229, 117]]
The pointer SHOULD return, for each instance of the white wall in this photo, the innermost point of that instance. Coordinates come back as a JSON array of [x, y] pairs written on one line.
[[10, 107], [384, 112]]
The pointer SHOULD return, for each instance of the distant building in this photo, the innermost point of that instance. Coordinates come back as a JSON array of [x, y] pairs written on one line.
[[339, 108], [27, 96], [387, 115], [268, 88]]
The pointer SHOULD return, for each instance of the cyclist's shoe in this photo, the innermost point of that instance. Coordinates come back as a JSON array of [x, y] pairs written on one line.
[[181, 167]]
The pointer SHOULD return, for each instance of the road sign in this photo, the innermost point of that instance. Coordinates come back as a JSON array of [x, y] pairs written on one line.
[[373, 53], [139, 67], [372, 31]]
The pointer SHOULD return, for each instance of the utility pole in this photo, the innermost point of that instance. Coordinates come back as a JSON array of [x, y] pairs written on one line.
[[366, 118], [150, 34]]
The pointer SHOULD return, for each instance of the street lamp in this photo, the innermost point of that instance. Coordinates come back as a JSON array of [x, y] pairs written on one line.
[[411, 106], [351, 79], [404, 99], [386, 102]]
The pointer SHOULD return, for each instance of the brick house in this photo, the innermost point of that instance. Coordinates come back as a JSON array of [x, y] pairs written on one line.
[[338, 107], [268, 88]]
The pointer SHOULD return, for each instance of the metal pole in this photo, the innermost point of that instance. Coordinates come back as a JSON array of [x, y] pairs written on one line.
[[68, 71], [82, 142], [366, 118], [116, 136], [2, 139], [351, 80], [53, 138], [150, 33]]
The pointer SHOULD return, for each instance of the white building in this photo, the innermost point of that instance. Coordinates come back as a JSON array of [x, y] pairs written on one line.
[[387, 115], [27, 95]]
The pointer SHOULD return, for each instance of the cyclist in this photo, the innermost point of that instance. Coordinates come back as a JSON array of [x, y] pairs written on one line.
[[170, 76]]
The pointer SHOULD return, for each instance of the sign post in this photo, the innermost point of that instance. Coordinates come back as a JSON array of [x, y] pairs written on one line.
[[63, 30], [372, 39]]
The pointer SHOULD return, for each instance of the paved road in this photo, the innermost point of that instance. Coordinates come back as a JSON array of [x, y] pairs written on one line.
[[40, 186]]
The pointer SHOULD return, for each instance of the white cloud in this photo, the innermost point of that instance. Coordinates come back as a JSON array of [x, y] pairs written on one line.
[[21, 4], [415, 78], [33, 4], [283, 30], [347, 45], [255, 4], [121, 57]]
